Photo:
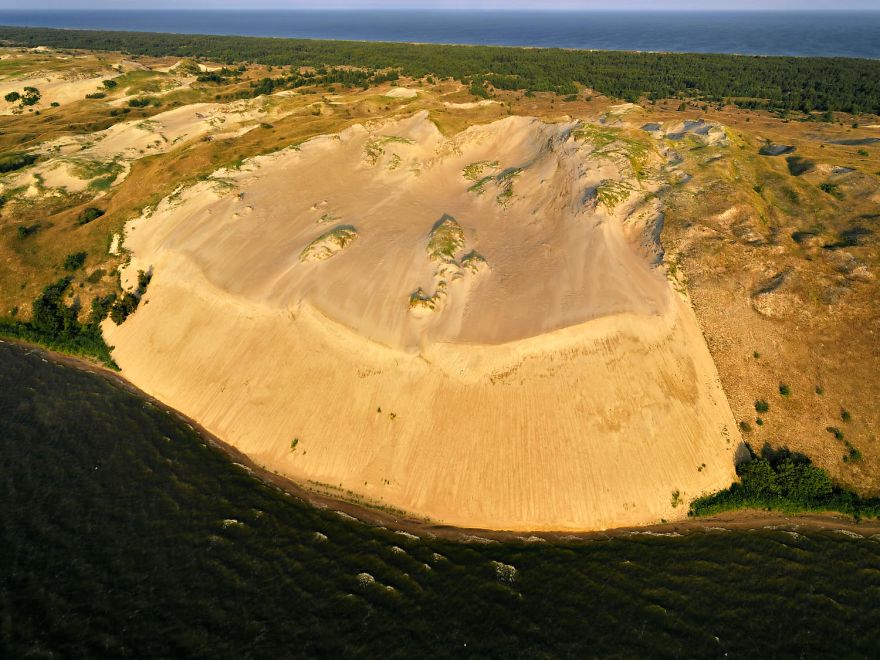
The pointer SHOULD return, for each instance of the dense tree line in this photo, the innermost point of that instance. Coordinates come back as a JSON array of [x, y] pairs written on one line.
[[56, 325], [796, 83], [780, 481]]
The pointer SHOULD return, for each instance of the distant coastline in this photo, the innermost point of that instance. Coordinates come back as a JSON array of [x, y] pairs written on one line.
[[793, 33]]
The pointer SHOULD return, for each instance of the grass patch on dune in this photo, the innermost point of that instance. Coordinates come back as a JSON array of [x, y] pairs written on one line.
[[474, 171], [610, 142], [447, 238], [328, 244], [374, 149], [611, 193]]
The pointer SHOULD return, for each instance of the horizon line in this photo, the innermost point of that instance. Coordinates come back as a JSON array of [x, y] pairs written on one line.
[[456, 10]]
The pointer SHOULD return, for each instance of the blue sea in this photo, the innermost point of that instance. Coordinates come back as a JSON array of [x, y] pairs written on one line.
[[845, 34]]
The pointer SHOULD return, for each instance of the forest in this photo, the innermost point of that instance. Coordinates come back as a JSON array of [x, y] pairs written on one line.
[[806, 84]]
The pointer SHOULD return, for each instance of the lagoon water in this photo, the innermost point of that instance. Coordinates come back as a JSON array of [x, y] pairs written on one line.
[[845, 34], [123, 533]]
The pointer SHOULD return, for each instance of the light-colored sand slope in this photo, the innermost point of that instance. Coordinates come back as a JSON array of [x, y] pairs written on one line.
[[470, 329], [77, 160]]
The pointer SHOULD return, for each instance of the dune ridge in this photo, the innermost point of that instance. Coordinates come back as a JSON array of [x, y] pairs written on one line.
[[556, 381]]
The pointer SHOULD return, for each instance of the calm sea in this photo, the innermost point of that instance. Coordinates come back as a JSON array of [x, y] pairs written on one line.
[[848, 34]]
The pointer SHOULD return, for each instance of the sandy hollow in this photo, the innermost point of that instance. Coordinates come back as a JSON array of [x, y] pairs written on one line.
[[464, 329]]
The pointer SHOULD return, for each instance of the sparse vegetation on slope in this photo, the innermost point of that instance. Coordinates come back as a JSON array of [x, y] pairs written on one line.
[[328, 244]]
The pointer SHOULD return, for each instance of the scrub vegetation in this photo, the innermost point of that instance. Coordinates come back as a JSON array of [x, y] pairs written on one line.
[[788, 83]]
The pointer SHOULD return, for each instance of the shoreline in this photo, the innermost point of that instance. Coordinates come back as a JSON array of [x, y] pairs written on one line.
[[365, 513]]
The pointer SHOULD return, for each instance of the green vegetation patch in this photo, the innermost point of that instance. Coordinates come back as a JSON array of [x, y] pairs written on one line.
[[375, 148], [781, 481], [798, 165], [611, 192], [13, 162], [74, 261], [505, 185], [88, 215], [474, 171], [85, 168], [447, 238], [832, 189], [329, 243], [609, 142], [56, 325], [797, 83]]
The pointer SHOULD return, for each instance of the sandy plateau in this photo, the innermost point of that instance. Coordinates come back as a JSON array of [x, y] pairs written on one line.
[[475, 330]]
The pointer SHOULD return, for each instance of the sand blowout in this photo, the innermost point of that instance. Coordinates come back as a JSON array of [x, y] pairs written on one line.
[[498, 348]]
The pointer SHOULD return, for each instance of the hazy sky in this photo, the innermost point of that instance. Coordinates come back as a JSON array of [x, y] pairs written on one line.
[[442, 4]]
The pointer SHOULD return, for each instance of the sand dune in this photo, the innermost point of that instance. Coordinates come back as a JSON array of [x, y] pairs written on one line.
[[54, 88], [471, 329], [79, 159]]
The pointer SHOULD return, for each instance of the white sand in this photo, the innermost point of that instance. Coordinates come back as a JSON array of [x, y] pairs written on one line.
[[470, 105], [131, 140], [401, 93], [53, 88], [560, 385]]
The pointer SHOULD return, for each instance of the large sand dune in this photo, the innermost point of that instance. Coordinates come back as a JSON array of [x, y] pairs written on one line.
[[473, 329]]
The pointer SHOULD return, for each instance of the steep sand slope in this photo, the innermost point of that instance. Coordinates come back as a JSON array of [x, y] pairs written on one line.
[[471, 329]]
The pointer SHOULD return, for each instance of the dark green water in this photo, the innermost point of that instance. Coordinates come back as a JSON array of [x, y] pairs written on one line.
[[113, 543]]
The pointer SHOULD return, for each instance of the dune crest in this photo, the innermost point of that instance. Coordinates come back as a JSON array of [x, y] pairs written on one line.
[[498, 347]]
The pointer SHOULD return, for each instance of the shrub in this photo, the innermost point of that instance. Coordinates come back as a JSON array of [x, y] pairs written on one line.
[[55, 325], [798, 165], [96, 276], [12, 162], [74, 261], [761, 406], [27, 230], [478, 90], [31, 96], [832, 189], [89, 214], [125, 306], [782, 481]]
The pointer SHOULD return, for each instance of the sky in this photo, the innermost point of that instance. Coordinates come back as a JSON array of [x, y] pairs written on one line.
[[449, 4]]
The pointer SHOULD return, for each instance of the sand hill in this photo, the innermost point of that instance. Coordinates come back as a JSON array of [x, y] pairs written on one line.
[[472, 329]]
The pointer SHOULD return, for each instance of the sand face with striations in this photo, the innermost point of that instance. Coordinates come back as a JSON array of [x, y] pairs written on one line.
[[474, 329]]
